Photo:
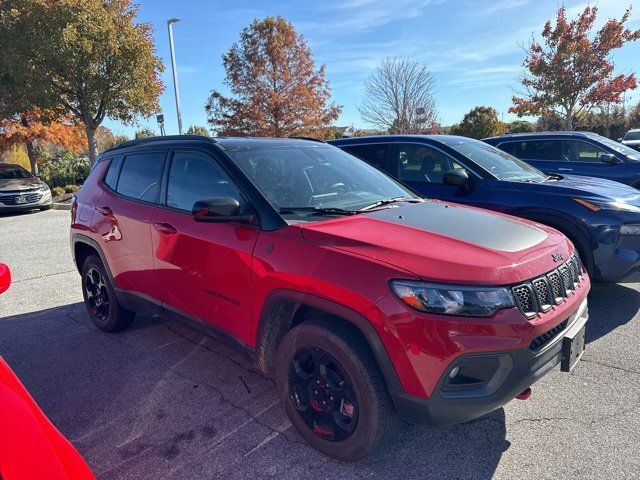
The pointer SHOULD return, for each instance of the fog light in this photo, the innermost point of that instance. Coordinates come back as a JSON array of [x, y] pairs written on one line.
[[454, 372]]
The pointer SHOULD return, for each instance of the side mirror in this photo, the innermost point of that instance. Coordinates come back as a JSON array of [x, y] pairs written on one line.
[[218, 209], [620, 140], [609, 158], [5, 277], [457, 177]]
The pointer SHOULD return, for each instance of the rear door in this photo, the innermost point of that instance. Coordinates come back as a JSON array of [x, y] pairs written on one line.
[[122, 218], [422, 167], [203, 269]]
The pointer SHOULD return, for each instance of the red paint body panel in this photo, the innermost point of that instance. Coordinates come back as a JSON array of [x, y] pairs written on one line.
[[5, 277], [30, 446]]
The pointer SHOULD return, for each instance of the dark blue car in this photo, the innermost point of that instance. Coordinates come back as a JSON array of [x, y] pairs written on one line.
[[601, 217], [574, 153]]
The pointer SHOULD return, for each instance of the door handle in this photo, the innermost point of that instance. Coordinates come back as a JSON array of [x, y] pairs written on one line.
[[165, 228], [565, 169], [106, 211]]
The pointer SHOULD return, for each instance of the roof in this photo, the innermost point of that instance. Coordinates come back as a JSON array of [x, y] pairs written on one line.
[[543, 134], [225, 142], [397, 138]]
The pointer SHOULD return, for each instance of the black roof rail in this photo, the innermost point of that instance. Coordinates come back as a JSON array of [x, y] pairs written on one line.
[[311, 139], [142, 141]]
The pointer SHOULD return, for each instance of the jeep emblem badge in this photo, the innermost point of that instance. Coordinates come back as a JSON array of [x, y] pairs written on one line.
[[557, 257]]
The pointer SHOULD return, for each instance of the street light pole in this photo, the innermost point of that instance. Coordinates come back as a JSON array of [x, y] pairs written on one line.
[[170, 22]]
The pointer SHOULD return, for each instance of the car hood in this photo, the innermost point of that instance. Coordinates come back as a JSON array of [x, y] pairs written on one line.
[[446, 242], [18, 184], [587, 187]]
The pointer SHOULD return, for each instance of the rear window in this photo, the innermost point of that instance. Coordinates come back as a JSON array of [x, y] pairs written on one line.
[[140, 176], [374, 154], [632, 136]]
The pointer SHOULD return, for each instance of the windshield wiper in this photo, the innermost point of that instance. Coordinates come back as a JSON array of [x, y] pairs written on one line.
[[386, 201], [318, 210]]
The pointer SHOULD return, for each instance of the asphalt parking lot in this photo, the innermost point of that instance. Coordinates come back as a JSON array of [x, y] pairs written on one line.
[[162, 401]]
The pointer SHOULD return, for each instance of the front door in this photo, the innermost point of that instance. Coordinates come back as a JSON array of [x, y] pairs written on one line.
[[203, 269], [422, 167]]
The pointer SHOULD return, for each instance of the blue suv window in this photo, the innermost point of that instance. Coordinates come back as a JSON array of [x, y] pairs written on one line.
[[548, 150], [579, 151]]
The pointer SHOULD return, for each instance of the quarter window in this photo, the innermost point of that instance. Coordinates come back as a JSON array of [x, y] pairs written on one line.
[[111, 178], [577, 151], [194, 176], [421, 163], [140, 176]]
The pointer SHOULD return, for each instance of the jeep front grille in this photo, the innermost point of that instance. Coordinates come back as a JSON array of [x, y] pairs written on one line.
[[538, 295]]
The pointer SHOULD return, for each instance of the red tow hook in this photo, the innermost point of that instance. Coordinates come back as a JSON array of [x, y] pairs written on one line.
[[524, 394]]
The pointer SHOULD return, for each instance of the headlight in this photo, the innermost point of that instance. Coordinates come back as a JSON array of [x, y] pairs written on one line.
[[452, 299], [630, 229], [596, 206], [43, 187]]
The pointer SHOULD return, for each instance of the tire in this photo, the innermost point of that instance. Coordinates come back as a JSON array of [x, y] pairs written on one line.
[[100, 298], [365, 416]]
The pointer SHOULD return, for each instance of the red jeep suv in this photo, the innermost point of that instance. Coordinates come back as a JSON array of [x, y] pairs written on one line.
[[366, 303]]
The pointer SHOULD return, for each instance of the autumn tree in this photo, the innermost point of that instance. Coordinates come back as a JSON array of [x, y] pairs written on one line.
[[144, 133], [29, 130], [399, 97], [277, 90], [521, 126], [198, 130], [633, 117], [571, 71], [480, 122], [87, 59]]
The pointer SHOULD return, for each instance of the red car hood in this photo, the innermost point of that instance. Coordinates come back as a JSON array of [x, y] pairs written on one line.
[[30, 446], [447, 242]]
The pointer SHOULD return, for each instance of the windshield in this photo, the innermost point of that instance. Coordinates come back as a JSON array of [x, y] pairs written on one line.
[[618, 147], [9, 172], [314, 176], [498, 163], [632, 136]]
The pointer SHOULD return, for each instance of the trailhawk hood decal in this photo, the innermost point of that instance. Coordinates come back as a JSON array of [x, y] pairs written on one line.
[[446, 242]]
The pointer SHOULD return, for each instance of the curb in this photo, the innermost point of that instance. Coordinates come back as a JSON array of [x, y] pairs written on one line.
[[61, 206]]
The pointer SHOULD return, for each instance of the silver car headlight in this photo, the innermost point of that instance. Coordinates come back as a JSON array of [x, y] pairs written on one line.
[[464, 300]]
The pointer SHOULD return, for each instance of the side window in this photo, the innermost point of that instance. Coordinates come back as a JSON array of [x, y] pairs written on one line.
[[538, 150], [375, 154], [140, 176], [510, 147], [194, 176], [578, 151], [421, 163], [111, 178]]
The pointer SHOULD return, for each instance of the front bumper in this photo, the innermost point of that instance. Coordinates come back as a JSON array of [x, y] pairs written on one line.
[[516, 370], [32, 200], [623, 260]]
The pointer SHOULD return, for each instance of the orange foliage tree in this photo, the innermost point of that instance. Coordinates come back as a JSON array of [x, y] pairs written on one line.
[[28, 129], [572, 72], [278, 91]]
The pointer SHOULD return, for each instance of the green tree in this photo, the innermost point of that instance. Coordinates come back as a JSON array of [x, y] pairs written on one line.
[[277, 89], [572, 72], [521, 126], [145, 133], [86, 59], [480, 122], [198, 130]]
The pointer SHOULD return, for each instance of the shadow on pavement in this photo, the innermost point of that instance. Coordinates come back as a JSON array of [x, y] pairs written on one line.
[[611, 305], [160, 400]]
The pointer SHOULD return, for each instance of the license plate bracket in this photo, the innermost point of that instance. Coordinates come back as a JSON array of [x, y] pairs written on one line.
[[573, 345]]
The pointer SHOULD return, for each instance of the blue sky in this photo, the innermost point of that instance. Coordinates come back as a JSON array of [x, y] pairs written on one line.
[[473, 47]]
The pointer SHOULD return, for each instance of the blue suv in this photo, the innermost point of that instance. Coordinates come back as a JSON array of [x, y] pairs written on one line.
[[601, 217], [574, 153]]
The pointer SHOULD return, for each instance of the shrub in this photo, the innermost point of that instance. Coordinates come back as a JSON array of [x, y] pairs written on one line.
[[71, 188], [57, 191], [65, 170]]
